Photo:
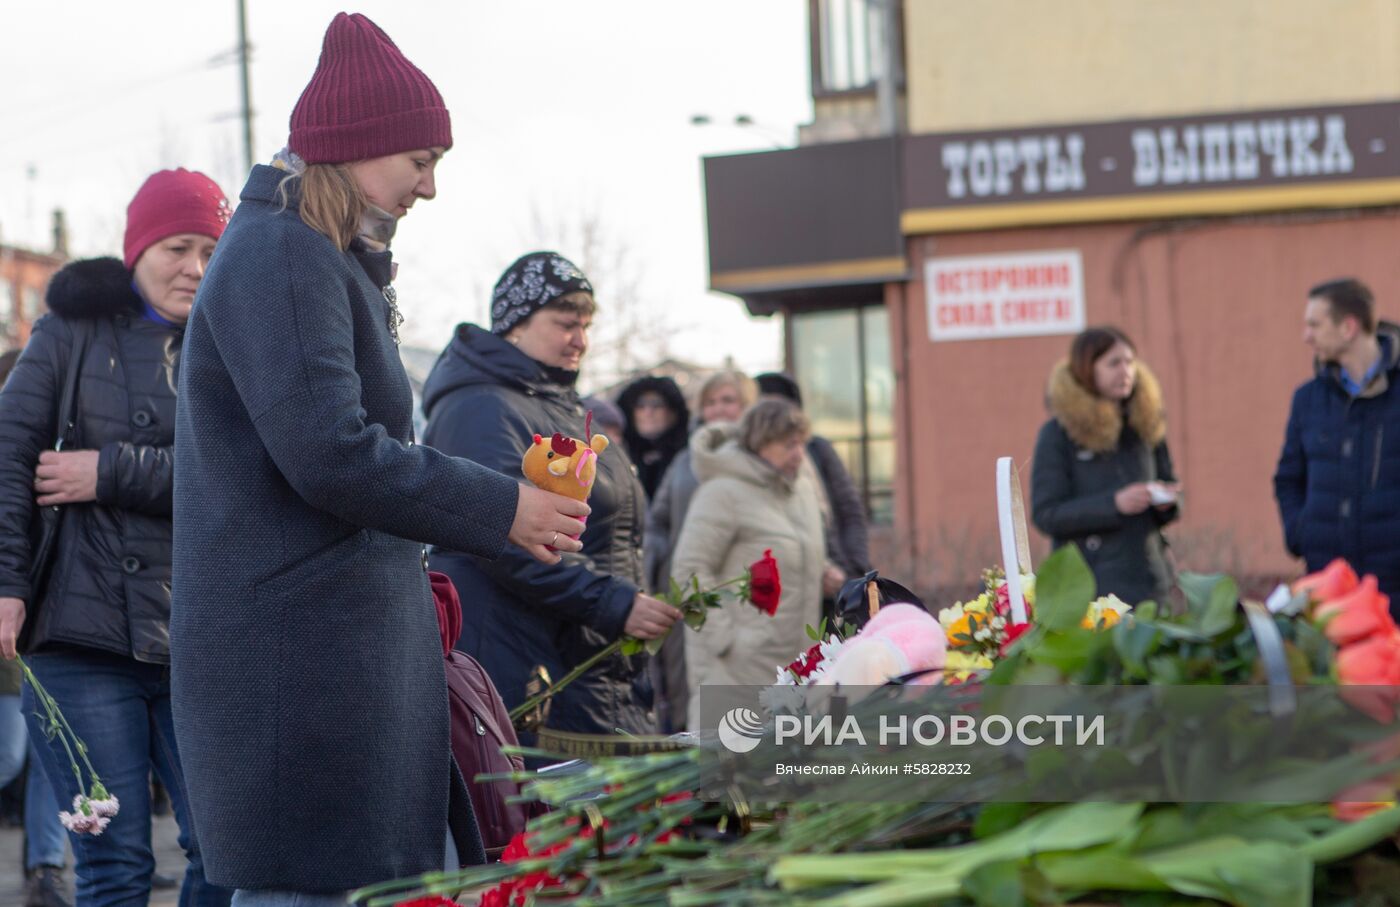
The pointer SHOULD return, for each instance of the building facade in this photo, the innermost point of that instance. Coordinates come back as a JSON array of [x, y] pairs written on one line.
[[1185, 171], [24, 277]]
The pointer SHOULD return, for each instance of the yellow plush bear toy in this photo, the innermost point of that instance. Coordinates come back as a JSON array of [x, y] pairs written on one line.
[[563, 465]]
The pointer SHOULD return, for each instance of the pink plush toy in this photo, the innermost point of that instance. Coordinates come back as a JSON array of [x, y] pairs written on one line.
[[900, 639]]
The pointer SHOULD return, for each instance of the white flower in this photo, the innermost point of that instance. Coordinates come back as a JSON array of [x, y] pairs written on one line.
[[1104, 604]]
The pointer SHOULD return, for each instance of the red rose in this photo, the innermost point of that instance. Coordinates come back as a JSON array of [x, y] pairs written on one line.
[[1002, 601], [436, 900], [765, 585], [1369, 672], [1356, 615], [1332, 581], [1013, 633]]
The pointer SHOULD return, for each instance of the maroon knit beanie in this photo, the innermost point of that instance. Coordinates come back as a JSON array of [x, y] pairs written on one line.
[[366, 100], [171, 202]]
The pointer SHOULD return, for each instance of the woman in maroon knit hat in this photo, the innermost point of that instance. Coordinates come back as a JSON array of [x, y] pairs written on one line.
[[94, 622], [309, 685]]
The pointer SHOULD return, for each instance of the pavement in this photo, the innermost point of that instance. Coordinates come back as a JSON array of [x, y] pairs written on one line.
[[170, 861]]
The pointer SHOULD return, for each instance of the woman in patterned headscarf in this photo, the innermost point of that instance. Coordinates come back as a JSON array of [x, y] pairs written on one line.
[[488, 395]]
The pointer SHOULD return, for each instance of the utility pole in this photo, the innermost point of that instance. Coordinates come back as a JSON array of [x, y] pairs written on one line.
[[247, 91], [887, 78]]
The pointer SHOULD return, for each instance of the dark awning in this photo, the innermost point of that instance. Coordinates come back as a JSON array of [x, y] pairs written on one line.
[[820, 216]]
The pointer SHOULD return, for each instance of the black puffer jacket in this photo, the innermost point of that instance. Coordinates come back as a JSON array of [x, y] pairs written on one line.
[[110, 586], [484, 400], [1091, 448]]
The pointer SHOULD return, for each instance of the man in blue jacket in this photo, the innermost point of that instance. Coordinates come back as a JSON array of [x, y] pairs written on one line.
[[1338, 478]]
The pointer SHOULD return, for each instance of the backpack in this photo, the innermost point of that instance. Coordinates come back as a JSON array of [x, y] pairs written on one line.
[[480, 727]]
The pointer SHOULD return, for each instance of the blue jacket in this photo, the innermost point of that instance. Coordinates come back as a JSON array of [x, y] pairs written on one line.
[[308, 684], [1338, 478], [485, 399]]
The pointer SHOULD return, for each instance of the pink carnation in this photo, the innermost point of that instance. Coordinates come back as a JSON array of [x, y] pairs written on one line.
[[90, 816], [84, 824], [106, 808]]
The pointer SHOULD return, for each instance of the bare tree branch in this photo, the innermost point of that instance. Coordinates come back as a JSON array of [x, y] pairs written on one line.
[[632, 331]]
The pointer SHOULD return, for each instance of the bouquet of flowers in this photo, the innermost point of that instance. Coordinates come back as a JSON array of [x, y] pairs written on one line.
[[980, 631]]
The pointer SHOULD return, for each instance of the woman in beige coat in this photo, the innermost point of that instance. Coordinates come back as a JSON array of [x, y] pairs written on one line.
[[753, 495]]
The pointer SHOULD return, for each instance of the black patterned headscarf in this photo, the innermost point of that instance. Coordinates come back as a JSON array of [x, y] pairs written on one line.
[[533, 282]]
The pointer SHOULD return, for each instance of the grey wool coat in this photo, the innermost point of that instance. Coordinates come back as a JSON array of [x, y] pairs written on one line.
[[308, 684]]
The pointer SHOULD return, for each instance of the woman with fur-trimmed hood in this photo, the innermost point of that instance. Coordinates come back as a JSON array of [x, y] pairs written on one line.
[[94, 622], [1103, 476]]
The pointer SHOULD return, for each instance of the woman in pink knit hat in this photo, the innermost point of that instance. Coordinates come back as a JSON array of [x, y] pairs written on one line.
[[308, 671], [87, 425]]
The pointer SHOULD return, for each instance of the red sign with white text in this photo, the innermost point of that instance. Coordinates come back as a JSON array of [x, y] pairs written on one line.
[[987, 296]]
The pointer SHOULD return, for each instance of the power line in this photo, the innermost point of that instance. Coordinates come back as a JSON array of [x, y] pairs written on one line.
[[103, 99]]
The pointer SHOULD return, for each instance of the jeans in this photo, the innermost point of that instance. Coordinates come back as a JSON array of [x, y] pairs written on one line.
[[45, 842], [120, 708]]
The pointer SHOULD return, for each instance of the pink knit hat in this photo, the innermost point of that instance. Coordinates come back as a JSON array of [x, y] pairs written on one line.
[[171, 202], [366, 100]]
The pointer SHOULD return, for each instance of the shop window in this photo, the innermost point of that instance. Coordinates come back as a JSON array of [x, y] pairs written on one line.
[[841, 360]]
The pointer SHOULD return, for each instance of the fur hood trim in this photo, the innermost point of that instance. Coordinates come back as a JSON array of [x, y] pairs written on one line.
[[1094, 423], [715, 451], [94, 288]]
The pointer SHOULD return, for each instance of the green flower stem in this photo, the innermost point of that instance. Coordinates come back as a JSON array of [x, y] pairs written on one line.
[[60, 724], [1354, 837], [613, 648], [902, 892], [532, 703]]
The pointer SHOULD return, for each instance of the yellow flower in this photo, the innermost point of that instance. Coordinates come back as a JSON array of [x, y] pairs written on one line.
[[1106, 620], [960, 632], [958, 666], [1104, 612], [982, 604], [1028, 588], [964, 661]]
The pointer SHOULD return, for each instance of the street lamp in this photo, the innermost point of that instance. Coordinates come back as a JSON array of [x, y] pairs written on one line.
[[773, 134]]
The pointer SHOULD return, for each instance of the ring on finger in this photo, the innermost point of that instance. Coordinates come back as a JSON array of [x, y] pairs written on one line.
[[554, 538]]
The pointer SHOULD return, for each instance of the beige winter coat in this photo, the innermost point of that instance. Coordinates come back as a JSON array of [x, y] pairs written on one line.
[[743, 506]]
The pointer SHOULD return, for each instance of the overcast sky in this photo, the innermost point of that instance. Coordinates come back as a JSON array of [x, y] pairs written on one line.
[[563, 112]]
